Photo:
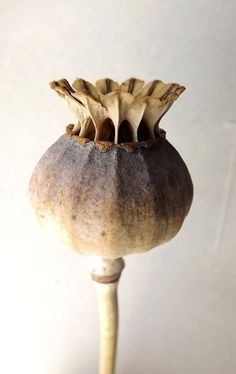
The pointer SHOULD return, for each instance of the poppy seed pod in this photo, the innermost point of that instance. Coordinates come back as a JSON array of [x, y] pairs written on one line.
[[113, 185]]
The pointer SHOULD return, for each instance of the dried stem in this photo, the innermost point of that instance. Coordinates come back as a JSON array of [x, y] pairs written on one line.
[[106, 274]]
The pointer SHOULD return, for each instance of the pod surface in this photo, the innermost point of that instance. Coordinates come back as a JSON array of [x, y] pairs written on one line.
[[111, 203]]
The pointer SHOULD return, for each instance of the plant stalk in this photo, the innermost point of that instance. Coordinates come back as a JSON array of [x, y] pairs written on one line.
[[105, 274]]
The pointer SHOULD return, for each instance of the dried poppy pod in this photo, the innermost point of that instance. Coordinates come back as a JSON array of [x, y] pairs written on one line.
[[113, 185]]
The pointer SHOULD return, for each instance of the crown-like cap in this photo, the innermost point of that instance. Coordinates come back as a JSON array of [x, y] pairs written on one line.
[[117, 113]]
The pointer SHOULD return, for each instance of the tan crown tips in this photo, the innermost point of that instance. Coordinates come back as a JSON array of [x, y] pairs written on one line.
[[53, 84]]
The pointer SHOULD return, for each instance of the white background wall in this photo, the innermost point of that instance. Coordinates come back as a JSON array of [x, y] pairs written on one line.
[[177, 303]]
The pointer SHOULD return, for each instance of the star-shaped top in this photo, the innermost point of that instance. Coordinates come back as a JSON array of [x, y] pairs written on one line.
[[101, 110]]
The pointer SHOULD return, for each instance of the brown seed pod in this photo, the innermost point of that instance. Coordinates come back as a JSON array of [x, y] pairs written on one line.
[[113, 185]]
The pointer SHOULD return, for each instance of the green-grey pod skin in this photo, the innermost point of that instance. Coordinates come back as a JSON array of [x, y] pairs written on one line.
[[111, 203]]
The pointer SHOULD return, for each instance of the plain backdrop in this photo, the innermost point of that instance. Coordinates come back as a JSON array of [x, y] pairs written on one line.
[[177, 302]]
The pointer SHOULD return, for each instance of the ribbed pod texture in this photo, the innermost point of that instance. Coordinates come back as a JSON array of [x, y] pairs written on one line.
[[111, 203]]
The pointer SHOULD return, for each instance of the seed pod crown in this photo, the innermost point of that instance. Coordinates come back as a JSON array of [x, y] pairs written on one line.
[[111, 113]]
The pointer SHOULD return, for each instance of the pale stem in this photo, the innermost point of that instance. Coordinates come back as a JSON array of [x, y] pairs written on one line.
[[105, 274]]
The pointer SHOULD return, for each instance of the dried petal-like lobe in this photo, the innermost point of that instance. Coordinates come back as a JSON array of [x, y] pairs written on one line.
[[132, 85], [111, 203], [106, 85], [80, 85]]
